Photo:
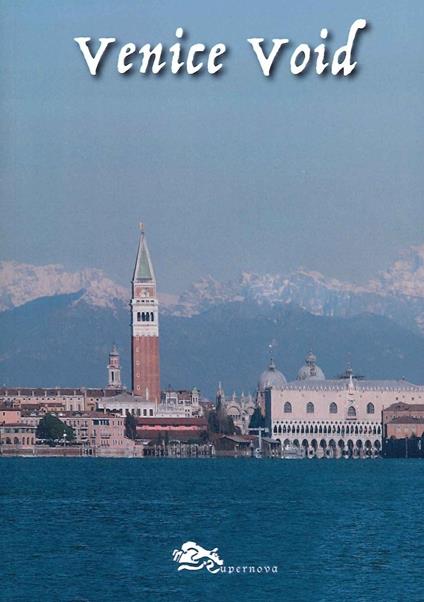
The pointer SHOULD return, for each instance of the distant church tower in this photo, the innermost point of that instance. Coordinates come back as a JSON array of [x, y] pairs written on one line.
[[114, 369], [145, 326]]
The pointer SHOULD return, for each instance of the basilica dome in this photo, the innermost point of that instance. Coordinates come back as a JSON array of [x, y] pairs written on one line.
[[310, 371], [271, 378]]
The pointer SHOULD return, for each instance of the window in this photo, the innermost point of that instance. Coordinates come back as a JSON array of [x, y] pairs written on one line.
[[351, 412], [310, 408], [333, 408], [370, 408], [287, 408]]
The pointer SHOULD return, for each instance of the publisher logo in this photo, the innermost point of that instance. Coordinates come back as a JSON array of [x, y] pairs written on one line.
[[192, 557]]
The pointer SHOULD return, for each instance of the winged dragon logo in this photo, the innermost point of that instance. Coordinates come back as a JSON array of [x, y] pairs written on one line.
[[192, 557]]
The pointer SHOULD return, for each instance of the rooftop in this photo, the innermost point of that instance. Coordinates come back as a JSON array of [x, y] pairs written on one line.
[[358, 385], [406, 420], [167, 421], [401, 406], [56, 391]]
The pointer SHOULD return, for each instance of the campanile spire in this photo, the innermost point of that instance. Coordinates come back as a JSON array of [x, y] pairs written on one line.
[[145, 325], [143, 269]]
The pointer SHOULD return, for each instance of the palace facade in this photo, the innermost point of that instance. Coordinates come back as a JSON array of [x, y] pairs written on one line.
[[332, 417]]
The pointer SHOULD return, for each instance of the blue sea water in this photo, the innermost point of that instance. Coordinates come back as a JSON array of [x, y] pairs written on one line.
[[103, 530]]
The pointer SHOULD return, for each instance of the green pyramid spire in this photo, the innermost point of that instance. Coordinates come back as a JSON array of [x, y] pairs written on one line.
[[143, 271]]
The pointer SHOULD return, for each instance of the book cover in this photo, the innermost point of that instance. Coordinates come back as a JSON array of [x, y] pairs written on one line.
[[211, 300]]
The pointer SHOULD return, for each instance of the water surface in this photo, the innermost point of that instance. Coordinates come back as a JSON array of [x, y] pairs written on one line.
[[103, 530]]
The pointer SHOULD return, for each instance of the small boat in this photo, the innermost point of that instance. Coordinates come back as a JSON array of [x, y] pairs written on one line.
[[291, 452]]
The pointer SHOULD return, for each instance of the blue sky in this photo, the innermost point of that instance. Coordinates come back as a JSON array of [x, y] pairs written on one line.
[[229, 173]]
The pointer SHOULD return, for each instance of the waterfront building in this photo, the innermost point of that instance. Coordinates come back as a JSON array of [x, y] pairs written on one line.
[[101, 434], [402, 420], [17, 435], [97, 433], [55, 399], [17, 438], [333, 417], [42, 401], [171, 429], [235, 446], [145, 326], [114, 370]]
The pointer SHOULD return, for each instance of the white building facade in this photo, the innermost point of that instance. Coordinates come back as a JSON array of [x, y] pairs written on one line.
[[333, 418], [239, 408], [173, 404]]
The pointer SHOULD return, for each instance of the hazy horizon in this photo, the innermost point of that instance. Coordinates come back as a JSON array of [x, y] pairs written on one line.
[[125, 280], [231, 173]]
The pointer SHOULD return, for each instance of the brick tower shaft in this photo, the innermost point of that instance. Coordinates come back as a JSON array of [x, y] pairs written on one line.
[[145, 326]]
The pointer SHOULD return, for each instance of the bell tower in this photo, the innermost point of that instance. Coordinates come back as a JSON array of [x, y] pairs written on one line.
[[114, 369], [145, 326]]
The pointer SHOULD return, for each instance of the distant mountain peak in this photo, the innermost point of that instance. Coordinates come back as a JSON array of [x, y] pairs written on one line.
[[21, 282], [397, 293], [405, 276]]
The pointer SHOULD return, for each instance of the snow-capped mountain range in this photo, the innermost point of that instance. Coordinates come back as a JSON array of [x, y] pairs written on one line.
[[21, 282], [397, 293]]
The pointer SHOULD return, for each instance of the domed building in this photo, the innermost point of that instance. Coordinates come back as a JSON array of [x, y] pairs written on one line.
[[271, 378], [333, 418], [310, 370], [239, 408]]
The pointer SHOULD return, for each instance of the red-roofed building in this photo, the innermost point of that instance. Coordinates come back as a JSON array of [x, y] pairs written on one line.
[[403, 420], [171, 429]]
